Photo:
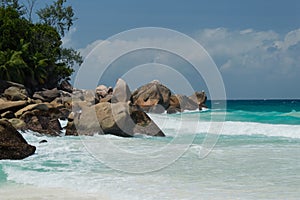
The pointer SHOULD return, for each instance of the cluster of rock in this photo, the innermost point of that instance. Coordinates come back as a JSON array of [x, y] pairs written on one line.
[[20, 110], [106, 110], [109, 111], [157, 98], [38, 112], [119, 112]]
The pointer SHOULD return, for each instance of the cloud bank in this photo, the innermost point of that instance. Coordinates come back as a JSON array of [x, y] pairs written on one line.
[[254, 64]]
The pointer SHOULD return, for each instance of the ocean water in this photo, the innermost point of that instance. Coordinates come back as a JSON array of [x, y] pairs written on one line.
[[253, 154]]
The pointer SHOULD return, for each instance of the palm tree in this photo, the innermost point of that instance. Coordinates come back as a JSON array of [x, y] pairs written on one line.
[[13, 67], [40, 68], [4, 71]]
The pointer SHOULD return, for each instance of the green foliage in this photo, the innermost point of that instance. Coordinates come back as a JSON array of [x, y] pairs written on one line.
[[32, 53], [70, 57], [12, 66], [12, 28], [58, 16]]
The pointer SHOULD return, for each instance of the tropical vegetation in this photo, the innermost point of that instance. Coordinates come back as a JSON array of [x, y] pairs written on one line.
[[31, 53]]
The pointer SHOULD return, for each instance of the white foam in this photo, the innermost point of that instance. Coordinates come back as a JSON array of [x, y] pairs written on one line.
[[292, 114], [63, 169], [187, 125], [251, 128], [63, 123]]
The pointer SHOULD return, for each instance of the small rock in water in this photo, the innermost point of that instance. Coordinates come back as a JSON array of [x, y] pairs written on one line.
[[43, 141]]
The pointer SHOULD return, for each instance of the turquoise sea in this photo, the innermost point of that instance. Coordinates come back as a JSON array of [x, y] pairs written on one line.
[[253, 154]]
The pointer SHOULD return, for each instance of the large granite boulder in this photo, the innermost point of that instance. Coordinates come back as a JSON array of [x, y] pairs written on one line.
[[180, 103], [199, 98], [78, 95], [14, 93], [66, 86], [12, 144], [111, 118], [42, 118], [79, 107], [121, 92], [102, 91], [18, 123], [89, 97], [40, 106], [58, 111], [114, 119], [11, 105], [6, 84], [108, 99], [47, 95], [152, 97], [103, 118], [144, 125], [42, 122], [82, 118]]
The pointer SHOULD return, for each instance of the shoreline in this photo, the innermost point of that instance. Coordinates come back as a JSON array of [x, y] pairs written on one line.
[[17, 191]]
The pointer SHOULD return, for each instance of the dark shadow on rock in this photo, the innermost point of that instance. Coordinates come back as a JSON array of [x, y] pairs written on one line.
[[12, 144]]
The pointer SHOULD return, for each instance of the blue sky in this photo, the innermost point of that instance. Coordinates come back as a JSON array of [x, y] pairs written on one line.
[[255, 43], [98, 18]]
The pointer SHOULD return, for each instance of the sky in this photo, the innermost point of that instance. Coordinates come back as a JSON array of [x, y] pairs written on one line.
[[255, 44]]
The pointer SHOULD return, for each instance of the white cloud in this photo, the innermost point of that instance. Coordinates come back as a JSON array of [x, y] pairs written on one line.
[[246, 31], [85, 51], [100, 54], [292, 38], [67, 39], [251, 50], [260, 63]]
